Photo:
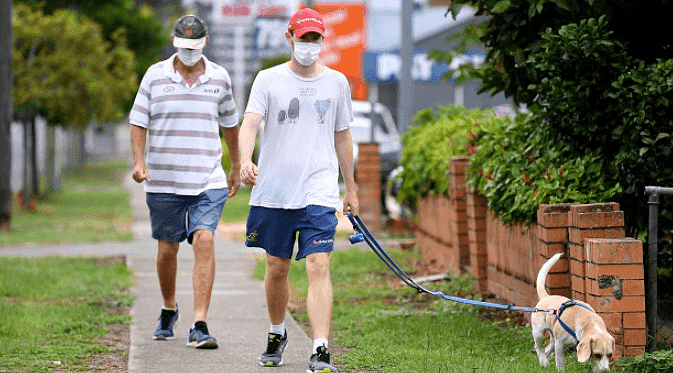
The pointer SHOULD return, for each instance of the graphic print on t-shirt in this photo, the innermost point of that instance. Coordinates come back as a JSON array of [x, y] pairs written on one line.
[[322, 107], [293, 110]]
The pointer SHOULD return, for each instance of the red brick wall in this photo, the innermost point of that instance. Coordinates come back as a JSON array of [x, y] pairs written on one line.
[[505, 259]]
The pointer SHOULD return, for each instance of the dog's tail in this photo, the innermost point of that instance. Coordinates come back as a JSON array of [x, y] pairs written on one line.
[[542, 276]]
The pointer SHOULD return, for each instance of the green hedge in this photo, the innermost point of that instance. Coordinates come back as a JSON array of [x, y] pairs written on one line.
[[518, 168], [429, 145]]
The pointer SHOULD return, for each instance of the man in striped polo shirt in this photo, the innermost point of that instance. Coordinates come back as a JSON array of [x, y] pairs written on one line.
[[182, 103]]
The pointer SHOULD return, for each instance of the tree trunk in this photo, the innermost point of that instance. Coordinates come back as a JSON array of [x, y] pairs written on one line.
[[34, 169], [6, 84]]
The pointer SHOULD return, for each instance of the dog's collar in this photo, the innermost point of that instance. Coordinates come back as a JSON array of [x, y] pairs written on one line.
[[565, 326]]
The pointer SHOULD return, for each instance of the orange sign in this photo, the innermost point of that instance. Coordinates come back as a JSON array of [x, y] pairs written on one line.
[[345, 42]]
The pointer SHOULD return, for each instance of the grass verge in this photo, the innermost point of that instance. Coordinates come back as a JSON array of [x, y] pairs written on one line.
[[236, 209], [53, 309], [378, 326], [89, 209]]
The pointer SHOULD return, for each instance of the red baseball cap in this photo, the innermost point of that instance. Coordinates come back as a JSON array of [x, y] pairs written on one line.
[[306, 20]]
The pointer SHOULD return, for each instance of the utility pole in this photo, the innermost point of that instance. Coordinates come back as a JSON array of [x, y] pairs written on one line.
[[405, 86], [6, 84]]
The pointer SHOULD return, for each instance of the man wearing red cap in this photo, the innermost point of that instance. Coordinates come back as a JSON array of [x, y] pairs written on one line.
[[307, 111]]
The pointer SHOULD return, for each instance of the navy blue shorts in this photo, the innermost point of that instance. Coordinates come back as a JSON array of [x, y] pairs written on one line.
[[176, 217], [277, 230]]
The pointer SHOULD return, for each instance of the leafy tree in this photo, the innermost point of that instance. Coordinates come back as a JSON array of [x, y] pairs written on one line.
[[65, 71], [142, 28], [514, 27]]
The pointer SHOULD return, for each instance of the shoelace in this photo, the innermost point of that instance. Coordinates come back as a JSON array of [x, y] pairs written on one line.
[[274, 341]]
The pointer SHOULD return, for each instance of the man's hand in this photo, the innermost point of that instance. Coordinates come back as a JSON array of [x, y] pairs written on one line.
[[234, 181], [140, 173], [248, 173], [351, 204]]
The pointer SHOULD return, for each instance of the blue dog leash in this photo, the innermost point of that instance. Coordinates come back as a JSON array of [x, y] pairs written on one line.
[[362, 234]]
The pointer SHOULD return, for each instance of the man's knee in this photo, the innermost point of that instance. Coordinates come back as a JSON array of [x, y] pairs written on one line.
[[317, 265], [203, 238], [277, 268]]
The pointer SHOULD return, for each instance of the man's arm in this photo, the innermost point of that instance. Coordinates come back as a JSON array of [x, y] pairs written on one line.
[[343, 143], [138, 139], [230, 135], [246, 145]]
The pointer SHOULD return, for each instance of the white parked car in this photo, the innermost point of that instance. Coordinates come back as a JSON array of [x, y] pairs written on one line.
[[384, 133]]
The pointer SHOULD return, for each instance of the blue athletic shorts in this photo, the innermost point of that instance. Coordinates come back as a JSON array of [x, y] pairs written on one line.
[[175, 217], [276, 230]]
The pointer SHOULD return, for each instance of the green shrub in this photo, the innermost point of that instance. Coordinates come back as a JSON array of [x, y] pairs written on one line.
[[658, 361], [517, 167], [429, 146]]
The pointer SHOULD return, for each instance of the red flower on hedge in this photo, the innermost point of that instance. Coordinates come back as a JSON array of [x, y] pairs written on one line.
[[531, 159], [526, 179], [473, 135], [535, 193], [560, 174], [489, 176], [547, 174], [471, 149]]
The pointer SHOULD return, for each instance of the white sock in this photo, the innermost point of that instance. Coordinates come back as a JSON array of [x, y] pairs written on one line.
[[169, 309], [319, 342], [278, 329]]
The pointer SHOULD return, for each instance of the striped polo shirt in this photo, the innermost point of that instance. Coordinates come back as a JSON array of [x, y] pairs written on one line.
[[184, 150]]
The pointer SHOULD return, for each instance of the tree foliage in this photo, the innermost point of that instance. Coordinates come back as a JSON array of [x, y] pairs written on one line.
[[142, 28], [514, 27], [66, 71]]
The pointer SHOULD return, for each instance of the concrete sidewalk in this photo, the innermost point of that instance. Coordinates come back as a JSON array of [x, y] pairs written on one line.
[[237, 315]]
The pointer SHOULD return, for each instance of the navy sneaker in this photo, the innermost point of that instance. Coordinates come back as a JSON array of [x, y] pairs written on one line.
[[273, 356], [167, 321], [320, 362], [200, 338]]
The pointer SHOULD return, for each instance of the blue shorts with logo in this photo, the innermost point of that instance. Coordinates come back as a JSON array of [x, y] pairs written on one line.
[[277, 230], [176, 217]]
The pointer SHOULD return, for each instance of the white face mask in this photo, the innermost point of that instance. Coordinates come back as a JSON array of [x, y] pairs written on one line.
[[189, 56], [306, 53]]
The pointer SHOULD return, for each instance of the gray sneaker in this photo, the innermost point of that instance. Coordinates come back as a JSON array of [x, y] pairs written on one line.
[[273, 356], [319, 362]]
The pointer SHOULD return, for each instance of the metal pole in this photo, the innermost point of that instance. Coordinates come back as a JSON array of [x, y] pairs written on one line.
[[405, 85], [651, 295]]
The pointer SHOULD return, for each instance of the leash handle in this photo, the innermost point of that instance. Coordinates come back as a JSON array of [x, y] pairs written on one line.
[[357, 236]]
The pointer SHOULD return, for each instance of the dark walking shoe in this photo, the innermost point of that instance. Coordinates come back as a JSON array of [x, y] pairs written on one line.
[[167, 321], [200, 338], [320, 363], [273, 356]]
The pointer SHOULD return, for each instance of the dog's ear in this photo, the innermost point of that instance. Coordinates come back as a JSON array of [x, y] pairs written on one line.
[[584, 350]]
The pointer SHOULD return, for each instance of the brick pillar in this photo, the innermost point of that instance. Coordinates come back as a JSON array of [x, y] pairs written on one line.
[[368, 178], [615, 288], [476, 222], [552, 235], [598, 220], [458, 204]]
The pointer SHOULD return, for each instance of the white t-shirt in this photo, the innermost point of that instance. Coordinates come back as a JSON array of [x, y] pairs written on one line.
[[184, 151], [297, 163]]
